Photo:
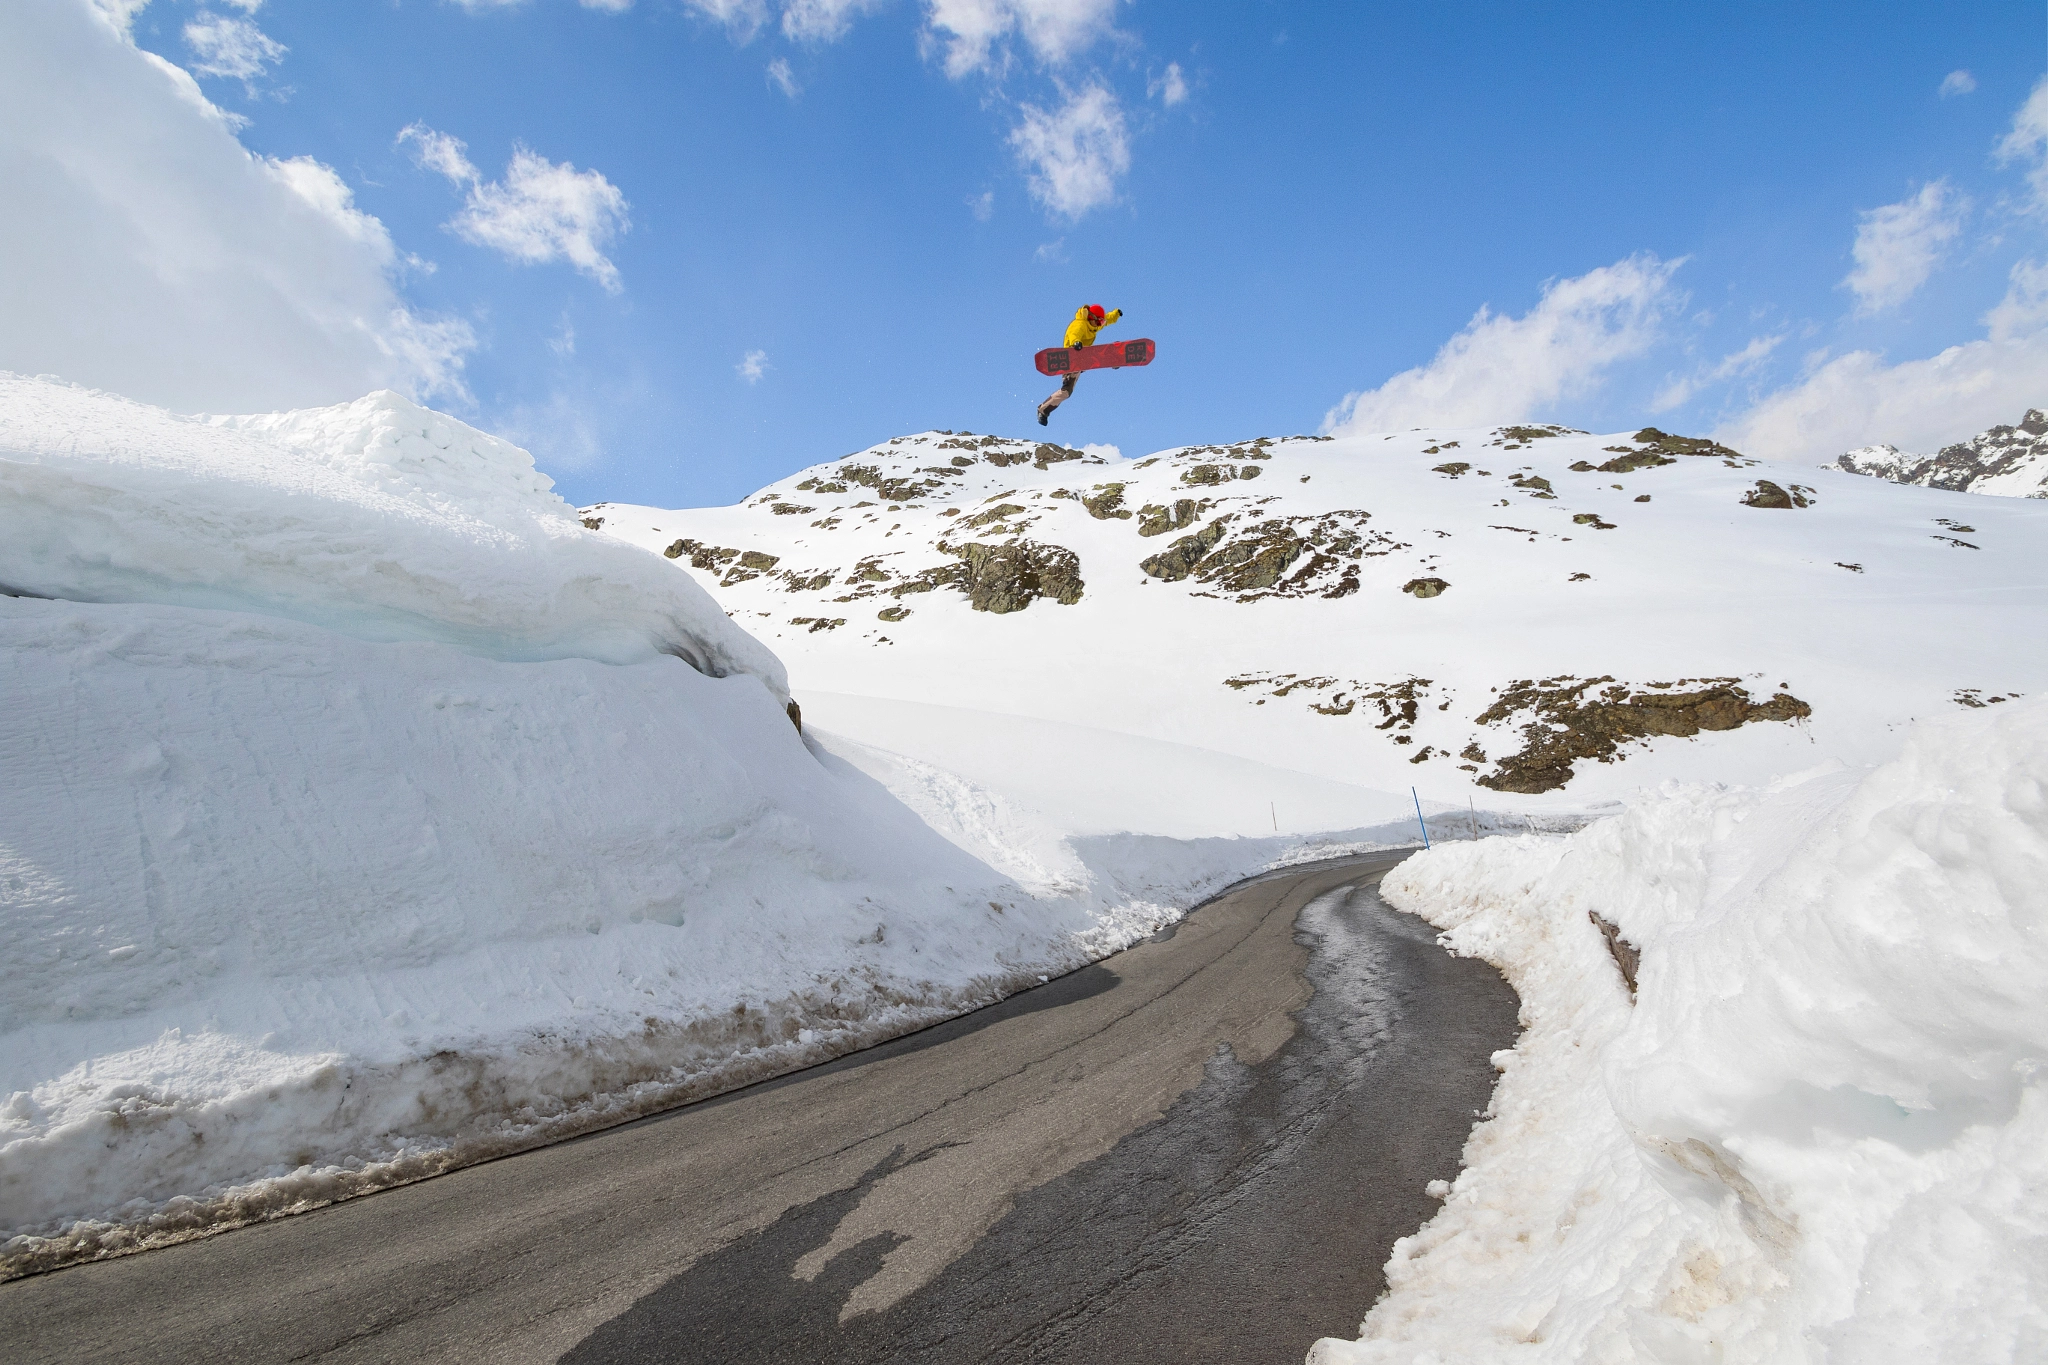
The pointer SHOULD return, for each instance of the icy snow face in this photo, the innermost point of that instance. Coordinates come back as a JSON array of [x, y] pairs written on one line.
[[2004, 461], [1820, 1129], [377, 519], [1527, 610]]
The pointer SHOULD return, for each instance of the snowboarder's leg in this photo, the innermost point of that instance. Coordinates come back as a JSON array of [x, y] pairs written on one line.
[[1066, 392]]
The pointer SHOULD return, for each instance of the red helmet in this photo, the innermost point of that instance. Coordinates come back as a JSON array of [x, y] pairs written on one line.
[[1097, 311]]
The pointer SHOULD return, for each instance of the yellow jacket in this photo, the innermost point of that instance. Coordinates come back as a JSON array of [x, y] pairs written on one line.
[[1081, 331]]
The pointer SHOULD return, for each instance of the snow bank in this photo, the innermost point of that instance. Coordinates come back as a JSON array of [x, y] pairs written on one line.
[[377, 519], [366, 815], [1819, 1132]]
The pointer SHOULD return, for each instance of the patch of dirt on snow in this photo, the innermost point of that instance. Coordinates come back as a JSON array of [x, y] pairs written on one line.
[[1563, 720]]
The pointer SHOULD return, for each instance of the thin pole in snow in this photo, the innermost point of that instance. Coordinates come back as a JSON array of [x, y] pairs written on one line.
[[1418, 818], [1273, 808], [1475, 816]]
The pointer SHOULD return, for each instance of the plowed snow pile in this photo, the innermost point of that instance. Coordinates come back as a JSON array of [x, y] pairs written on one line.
[[1820, 1129], [365, 814]]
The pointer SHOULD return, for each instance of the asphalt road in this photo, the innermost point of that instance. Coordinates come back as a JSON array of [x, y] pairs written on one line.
[[1201, 1149]]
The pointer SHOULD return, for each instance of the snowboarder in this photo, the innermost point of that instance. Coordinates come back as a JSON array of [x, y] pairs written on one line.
[[1080, 332]]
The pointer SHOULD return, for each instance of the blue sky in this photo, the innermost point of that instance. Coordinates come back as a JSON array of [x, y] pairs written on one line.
[[1297, 201]]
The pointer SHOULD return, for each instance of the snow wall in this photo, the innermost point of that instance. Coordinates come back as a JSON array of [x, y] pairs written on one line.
[[1816, 1129], [365, 815]]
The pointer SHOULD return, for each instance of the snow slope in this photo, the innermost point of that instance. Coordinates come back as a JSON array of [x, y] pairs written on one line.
[[366, 815], [1816, 1129], [1613, 610], [2004, 461]]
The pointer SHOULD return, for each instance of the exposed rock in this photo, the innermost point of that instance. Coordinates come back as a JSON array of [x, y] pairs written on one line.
[[1454, 468], [1178, 560], [1566, 724], [818, 623], [996, 513], [1664, 443], [1205, 474], [758, 559], [1768, 494], [1536, 484], [1108, 502], [790, 509], [1248, 471], [1396, 705], [1425, 587], [1155, 520], [1627, 462], [593, 523], [1591, 519], [1627, 957], [893, 613], [1006, 578]]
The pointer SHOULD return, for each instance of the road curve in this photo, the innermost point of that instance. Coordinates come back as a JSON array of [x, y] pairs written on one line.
[[1199, 1149]]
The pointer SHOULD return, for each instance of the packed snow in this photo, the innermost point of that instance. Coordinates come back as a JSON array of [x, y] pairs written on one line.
[[1815, 1127], [367, 815], [1516, 616]]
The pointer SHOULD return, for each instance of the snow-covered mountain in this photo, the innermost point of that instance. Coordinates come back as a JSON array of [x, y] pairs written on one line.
[[2005, 461], [1514, 610]]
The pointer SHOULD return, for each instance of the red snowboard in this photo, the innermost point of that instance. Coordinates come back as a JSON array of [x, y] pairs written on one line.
[[1060, 360]]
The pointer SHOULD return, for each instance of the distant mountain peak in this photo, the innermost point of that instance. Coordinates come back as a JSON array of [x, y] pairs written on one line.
[[2004, 461]]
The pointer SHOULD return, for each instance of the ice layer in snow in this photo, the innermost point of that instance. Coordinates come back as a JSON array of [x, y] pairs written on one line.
[[1819, 1129]]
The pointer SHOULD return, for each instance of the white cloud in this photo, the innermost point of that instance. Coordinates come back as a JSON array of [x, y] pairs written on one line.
[[2028, 141], [982, 206], [741, 18], [1957, 83], [1075, 153], [149, 253], [1051, 253], [540, 212], [1677, 391], [608, 6], [1898, 246], [973, 32], [119, 15], [1169, 87], [752, 366], [822, 21], [563, 342], [1857, 400], [2024, 309], [783, 79], [440, 152], [1505, 368], [231, 48]]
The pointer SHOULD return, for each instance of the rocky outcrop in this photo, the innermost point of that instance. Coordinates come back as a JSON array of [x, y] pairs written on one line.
[[1425, 587], [1256, 561], [1154, 519], [1179, 559], [1768, 494], [1005, 578], [2004, 461], [1563, 720], [1107, 503]]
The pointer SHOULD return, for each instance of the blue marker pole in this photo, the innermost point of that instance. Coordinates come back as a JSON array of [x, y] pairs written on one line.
[[1419, 819]]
